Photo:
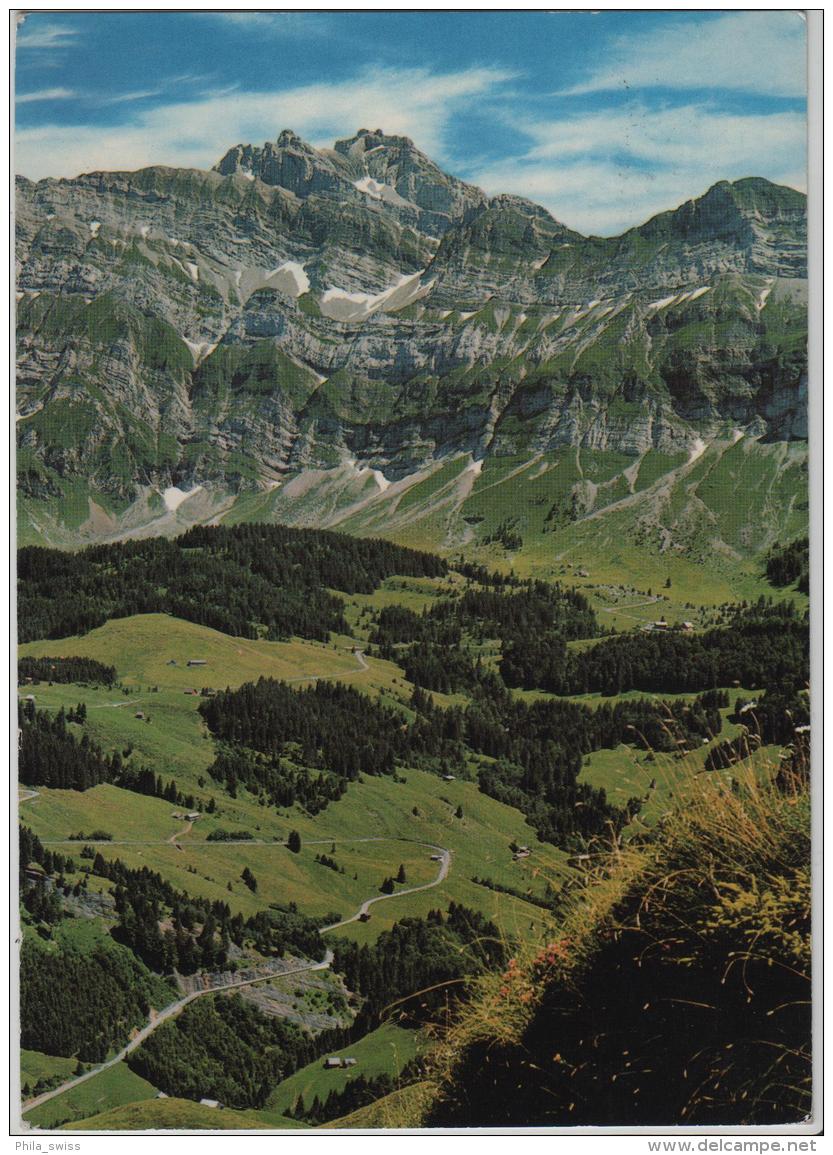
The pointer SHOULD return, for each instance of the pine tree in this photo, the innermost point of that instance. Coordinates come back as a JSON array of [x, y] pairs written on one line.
[[400, 874], [294, 841]]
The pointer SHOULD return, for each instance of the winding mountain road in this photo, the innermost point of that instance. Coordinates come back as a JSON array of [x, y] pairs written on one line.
[[174, 1008], [445, 866], [162, 1016]]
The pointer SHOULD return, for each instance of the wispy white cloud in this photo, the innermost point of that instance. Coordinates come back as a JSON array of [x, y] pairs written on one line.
[[278, 24], [605, 171], [195, 133], [45, 94], [757, 52], [167, 86], [129, 97], [44, 35]]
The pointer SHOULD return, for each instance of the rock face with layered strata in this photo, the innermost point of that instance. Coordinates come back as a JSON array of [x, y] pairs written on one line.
[[300, 311]]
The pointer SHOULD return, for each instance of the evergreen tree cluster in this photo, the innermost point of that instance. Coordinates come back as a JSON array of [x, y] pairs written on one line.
[[359, 1092], [774, 719], [536, 751], [197, 932], [416, 955], [428, 645], [334, 726], [40, 891], [86, 671], [273, 779], [31, 849], [83, 1003], [222, 1047], [550, 903], [245, 580], [51, 755], [787, 565], [537, 748], [446, 669]]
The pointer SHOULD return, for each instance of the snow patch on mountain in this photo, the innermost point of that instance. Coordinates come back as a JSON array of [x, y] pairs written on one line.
[[173, 496], [696, 451], [341, 305], [200, 349], [764, 293], [290, 278], [94, 227], [379, 191]]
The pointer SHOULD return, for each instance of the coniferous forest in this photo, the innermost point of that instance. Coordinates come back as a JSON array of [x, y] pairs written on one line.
[[246, 580]]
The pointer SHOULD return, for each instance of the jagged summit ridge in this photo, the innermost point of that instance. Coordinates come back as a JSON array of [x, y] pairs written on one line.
[[370, 167]]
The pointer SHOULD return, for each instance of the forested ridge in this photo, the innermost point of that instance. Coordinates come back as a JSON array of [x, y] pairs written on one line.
[[537, 748], [427, 955], [245, 580], [221, 1047], [431, 646], [84, 1002], [198, 933], [335, 726], [762, 645]]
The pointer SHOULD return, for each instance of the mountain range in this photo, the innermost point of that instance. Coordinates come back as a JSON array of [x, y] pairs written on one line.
[[352, 337]]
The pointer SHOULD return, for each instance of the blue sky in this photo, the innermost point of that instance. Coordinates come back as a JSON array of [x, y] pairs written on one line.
[[603, 117]]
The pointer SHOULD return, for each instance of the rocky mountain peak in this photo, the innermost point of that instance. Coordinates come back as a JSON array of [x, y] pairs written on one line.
[[367, 140], [289, 139], [764, 221]]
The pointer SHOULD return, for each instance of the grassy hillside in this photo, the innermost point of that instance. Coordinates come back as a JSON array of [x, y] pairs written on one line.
[[176, 743], [382, 822], [385, 1051], [114, 1087], [403, 1108], [36, 1067], [627, 520], [142, 648], [693, 945]]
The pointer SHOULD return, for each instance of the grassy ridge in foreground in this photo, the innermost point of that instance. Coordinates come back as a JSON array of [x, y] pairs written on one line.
[[175, 1115], [693, 945]]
